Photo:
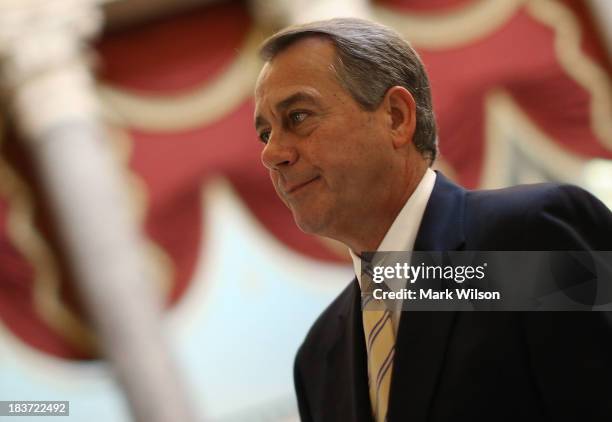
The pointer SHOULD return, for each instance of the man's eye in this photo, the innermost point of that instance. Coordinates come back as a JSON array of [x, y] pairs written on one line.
[[264, 136], [297, 117]]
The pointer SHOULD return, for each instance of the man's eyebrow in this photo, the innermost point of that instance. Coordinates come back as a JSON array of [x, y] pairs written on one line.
[[296, 98], [286, 103], [260, 121]]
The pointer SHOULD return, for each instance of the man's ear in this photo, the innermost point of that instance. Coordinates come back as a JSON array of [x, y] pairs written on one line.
[[401, 109]]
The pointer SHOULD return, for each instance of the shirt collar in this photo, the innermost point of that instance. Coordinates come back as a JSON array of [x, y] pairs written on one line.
[[402, 233]]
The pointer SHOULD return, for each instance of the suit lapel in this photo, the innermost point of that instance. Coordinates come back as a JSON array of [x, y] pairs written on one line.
[[348, 376], [442, 224], [423, 336]]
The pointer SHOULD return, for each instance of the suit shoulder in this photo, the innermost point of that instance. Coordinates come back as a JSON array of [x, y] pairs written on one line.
[[574, 200], [504, 212], [535, 215], [518, 199], [536, 198]]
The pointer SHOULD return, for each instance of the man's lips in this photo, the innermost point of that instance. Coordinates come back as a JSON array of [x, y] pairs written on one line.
[[293, 188]]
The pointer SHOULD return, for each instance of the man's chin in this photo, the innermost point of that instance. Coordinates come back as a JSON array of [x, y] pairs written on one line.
[[306, 228], [308, 225]]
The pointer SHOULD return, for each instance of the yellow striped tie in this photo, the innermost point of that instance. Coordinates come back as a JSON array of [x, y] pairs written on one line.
[[380, 346]]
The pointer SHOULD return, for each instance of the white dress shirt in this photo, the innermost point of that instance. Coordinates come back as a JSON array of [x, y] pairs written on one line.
[[402, 233]]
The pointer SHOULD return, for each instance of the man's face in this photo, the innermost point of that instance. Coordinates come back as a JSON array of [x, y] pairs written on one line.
[[328, 159]]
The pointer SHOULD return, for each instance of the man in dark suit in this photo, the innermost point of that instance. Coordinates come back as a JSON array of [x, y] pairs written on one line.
[[344, 110]]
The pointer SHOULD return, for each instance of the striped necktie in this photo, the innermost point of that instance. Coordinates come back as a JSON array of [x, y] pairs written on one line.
[[380, 345]]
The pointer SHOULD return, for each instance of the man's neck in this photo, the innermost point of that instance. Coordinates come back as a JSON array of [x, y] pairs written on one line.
[[369, 235]]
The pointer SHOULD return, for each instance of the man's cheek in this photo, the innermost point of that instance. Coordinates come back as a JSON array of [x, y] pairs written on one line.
[[278, 191], [274, 179]]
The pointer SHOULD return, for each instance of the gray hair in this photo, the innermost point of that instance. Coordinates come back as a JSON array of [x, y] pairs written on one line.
[[371, 58]]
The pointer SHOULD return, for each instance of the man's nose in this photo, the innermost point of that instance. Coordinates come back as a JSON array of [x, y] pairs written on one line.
[[277, 154]]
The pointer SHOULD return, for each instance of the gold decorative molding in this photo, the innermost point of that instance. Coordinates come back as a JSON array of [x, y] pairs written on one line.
[[159, 261], [197, 107], [578, 66], [444, 30], [31, 244], [506, 123]]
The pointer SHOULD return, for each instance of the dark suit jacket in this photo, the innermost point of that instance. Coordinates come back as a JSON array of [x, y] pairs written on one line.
[[475, 366]]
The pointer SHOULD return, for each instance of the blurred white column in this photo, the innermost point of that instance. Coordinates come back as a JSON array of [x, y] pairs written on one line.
[[50, 91], [279, 13]]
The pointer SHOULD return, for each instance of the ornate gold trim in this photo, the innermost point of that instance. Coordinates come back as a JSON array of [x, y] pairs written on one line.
[[505, 121], [577, 64], [158, 259], [438, 31], [31, 244], [197, 107]]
